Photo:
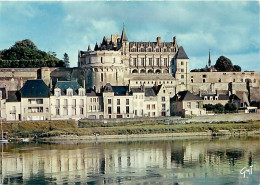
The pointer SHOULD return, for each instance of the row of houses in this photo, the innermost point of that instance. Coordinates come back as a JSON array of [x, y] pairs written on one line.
[[69, 100]]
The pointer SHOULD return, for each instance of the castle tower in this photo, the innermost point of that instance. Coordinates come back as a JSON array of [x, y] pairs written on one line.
[[124, 47], [181, 69]]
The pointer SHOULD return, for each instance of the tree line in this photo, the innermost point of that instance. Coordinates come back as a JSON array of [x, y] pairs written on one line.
[[25, 54]]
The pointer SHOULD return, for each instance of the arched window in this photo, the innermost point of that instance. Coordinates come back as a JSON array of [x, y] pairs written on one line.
[[150, 71], [142, 71], [158, 71], [134, 71]]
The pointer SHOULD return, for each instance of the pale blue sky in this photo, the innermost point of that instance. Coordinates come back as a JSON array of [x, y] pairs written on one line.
[[227, 28]]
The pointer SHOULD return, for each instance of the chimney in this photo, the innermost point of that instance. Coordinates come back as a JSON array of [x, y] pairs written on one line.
[[51, 84], [156, 85], [159, 41], [200, 93], [84, 86]]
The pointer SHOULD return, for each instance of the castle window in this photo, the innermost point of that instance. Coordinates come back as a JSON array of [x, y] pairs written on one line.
[[254, 80], [165, 49], [182, 70], [127, 109], [234, 80], [204, 80], [109, 101], [172, 49], [182, 76], [163, 98], [241, 80], [142, 49], [157, 49], [142, 61], [191, 80], [101, 59], [157, 61], [149, 49], [57, 111], [134, 62], [204, 76], [219, 80], [182, 63], [165, 61], [211, 98], [118, 101], [189, 105], [127, 101], [101, 77], [150, 61], [114, 60], [205, 98], [118, 110], [216, 98]]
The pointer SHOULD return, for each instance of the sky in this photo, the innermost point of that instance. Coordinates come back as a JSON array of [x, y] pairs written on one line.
[[228, 28]]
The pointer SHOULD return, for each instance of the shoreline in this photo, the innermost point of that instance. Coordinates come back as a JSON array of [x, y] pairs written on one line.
[[136, 137]]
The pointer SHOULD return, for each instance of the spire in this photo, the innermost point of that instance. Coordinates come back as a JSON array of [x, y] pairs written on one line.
[[89, 49], [209, 62], [124, 36], [104, 42], [96, 47]]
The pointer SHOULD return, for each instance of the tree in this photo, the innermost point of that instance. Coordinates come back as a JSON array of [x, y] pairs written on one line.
[[25, 54], [66, 60], [219, 108], [230, 108], [224, 64], [237, 68]]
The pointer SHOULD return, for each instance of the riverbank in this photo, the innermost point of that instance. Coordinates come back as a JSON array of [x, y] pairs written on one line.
[[74, 139], [64, 130]]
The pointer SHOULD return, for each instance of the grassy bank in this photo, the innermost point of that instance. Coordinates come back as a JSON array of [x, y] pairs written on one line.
[[55, 128]]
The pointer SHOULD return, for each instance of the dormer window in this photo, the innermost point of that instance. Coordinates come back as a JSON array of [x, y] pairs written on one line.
[[216, 98], [57, 92], [81, 91], [69, 92], [205, 98], [211, 98]]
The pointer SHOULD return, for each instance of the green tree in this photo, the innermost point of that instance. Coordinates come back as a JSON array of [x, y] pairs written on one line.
[[25, 54], [230, 108], [219, 108], [237, 68], [224, 64], [66, 60]]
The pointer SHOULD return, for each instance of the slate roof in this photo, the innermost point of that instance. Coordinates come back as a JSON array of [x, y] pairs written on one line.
[[234, 97], [3, 93], [185, 96], [124, 36], [91, 92], [223, 97], [120, 90], [35, 88], [181, 54], [136, 90], [149, 92], [14, 96], [64, 85]]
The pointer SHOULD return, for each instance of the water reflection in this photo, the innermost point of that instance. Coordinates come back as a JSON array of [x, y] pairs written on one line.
[[174, 161]]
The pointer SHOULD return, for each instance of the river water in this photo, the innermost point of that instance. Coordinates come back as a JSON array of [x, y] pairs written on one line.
[[190, 160]]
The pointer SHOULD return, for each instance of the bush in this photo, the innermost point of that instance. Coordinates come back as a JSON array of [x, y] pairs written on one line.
[[230, 108]]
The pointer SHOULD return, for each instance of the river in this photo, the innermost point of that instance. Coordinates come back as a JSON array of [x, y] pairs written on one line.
[[189, 160]]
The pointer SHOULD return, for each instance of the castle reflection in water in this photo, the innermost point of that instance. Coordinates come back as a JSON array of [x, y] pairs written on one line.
[[127, 161]]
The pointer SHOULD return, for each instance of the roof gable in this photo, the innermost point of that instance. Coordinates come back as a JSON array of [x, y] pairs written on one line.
[[186, 96]]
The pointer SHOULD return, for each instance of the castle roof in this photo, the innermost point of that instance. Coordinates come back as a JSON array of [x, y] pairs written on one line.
[[124, 36], [35, 88], [181, 54]]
